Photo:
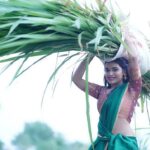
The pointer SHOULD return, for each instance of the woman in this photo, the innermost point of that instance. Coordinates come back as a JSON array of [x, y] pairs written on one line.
[[116, 100]]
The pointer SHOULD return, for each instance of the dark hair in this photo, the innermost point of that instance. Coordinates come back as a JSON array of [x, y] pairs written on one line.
[[123, 63]]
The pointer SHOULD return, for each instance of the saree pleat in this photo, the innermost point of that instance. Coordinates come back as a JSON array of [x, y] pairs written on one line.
[[105, 139]]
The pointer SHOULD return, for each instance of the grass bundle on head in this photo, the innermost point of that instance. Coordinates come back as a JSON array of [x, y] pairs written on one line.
[[29, 28]]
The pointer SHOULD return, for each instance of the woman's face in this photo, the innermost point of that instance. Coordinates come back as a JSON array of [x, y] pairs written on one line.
[[113, 73]]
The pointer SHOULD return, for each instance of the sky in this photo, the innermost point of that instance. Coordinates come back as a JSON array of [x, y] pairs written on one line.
[[65, 111]]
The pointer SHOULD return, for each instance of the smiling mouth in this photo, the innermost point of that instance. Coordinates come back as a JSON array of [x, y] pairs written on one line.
[[110, 78]]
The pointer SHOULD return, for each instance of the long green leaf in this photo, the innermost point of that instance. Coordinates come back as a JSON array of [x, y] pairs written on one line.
[[87, 103]]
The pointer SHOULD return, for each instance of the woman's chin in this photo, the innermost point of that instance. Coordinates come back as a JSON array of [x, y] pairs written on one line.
[[113, 83]]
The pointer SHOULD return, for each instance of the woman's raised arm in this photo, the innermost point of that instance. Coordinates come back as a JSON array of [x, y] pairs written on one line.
[[77, 77], [132, 56]]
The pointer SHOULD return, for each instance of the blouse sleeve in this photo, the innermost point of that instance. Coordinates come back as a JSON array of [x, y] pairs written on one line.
[[135, 86], [135, 79], [94, 89], [134, 69], [134, 89]]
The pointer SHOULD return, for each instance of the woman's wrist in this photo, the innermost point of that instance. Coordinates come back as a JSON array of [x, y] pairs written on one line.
[[90, 56]]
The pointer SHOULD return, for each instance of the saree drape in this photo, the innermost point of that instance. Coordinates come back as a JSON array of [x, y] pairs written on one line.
[[105, 139]]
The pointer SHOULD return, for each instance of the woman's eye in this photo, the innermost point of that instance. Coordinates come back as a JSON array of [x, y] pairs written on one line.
[[115, 69], [112, 69], [107, 70]]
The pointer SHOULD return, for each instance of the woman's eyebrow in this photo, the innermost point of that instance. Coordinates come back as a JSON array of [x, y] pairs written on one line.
[[114, 67], [111, 67]]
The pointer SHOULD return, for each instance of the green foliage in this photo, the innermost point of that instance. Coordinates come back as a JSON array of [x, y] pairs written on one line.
[[1, 145], [28, 27], [39, 136]]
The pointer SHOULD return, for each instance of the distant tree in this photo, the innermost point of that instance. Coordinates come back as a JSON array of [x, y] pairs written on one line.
[[38, 136], [34, 134], [1, 145]]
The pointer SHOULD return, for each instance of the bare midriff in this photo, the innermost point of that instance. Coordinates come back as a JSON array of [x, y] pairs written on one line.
[[122, 126]]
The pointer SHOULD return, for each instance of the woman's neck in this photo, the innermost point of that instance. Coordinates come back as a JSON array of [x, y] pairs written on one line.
[[115, 85]]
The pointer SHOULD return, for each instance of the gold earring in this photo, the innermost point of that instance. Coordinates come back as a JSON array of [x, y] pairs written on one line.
[[124, 77]]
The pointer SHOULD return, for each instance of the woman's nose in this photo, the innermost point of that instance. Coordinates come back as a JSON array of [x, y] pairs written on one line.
[[110, 72]]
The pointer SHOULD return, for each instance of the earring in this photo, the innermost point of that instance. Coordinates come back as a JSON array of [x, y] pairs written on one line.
[[106, 83], [124, 77]]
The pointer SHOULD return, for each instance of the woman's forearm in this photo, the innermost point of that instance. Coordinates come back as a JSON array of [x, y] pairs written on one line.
[[132, 56], [78, 74]]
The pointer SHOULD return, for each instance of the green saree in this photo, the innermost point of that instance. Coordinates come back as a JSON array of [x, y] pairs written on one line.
[[105, 139]]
